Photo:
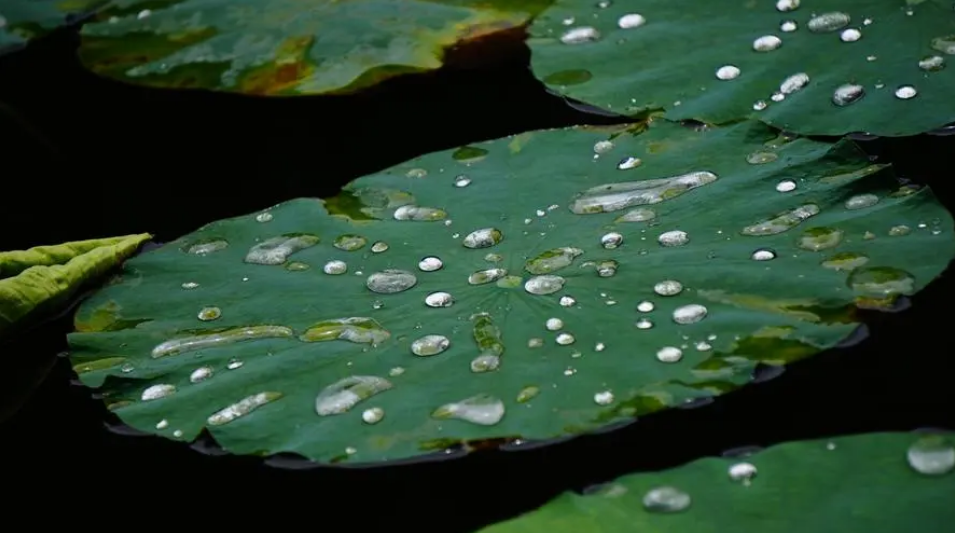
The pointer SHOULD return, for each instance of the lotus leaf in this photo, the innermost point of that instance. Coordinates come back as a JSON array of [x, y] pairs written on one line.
[[878, 483], [530, 287], [283, 47], [827, 68], [23, 20]]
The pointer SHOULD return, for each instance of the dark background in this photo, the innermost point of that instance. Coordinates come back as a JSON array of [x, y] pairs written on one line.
[[85, 157]]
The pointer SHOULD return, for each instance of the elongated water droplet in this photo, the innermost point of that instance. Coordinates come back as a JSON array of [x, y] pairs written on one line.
[[207, 314], [372, 415], [546, 284], [881, 282], [673, 238], [528, 393], [617, 196], [335, 267], [242, 408], [906, 92], [420, 214], [640, 214], [264, 217], [201, 374], [349, 242], [629, 162], [932, 63], [552, 260], [767, 43], [482, 238], [900, 230], [481, 409], [827, 22], [344, 394], [630, 21], [761, 158], [782, 222], [417, 173], [439, 299], [669, 354], [794, 83], [297, 266], [583, 34], [156, 392], [787, 5], [603, 398], [220, 338], [668, 287], [430, 345], [786, 186], [379, 247], [945, 44], [847, 94], [189, 285], [430, 264], [666, 500], [206, 247], [277, 250], [391, 281], [845, 261], [689, 314], [355, 329], [931, 455], [727, 72], [490, 275], [234, 364], [861, 201], [816, 239]]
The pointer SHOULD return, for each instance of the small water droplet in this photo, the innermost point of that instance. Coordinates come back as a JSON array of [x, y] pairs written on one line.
[[201, 374], [645, 306], [527, 393], [611, 240], [207, 314], [396, 371], [264, 217], [335, 267], [629, 162], [417, 173], [668, 287], [554, 324], [583, 34], [828, 22], [906, 92], [900, 230], [487, 362], [565, 339], [345, 393], [689, 314], [767, 43], [567, 301], [297, 266], [727, 72], [536, 342], [546, 284], [430, 264], [189, 285], [850, 35], [861, 201], [379, 247], [127, 368], [932, 63], [234, 364], [816, 239], [673, 238], [742, 473], [482, 409], [786, 186], [669, 354], [763, 254], [932, 455], [462, 181], [439, 299], [759, 105], [644, 323], [482, 238], [177, 433], [787, 5], [847, 94], [372, 415], [761, 158], [162, 424], [599, 347], [666, 500], [156, 392], [788, 26], [630, 21], [603, 398]]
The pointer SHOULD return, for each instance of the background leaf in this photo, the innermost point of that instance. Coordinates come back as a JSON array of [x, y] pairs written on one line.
[[858, 483], [285, 47], [668, 53], [275, 348], [22, 21]]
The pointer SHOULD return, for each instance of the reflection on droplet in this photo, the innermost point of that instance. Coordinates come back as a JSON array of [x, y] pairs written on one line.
[[827, 22], [669, 354], [689, 314], [481, 409], [666, 500], [767, 43], [668, 287], [439, 299], [430, 345], [847, 94], [727, 72], [335, 267], [905, 92], [345, 393], [932, 455], [207, 314]]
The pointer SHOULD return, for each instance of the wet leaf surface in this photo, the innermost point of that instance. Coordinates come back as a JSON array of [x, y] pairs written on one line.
[[471, 297], [826, 68]]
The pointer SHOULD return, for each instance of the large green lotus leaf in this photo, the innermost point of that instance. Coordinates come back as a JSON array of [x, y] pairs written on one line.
[[37, 281], [873, 483], [671, 54], [284, 47], [24, 20], [283, 340]]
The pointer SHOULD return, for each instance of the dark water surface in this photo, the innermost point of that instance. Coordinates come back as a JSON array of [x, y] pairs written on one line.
[[84, 157]]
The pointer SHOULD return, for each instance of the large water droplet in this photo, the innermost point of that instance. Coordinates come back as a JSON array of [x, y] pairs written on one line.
[[544, 284], [391, 281], [668, 287], [617, 196], [611, 240], [349, 243], [439, 299], [782, 222], [481, 409], [632, 20], [335, 267], [845, 261], [727, 72], [156, 392], [673, 238], [356, 329], [669, 354], [345, 393], [816, 239], [932, 455], [277, 250], [430, 345], [881, 282], [945, 44], [932, 63], [430, 264], [201, 374], [552, 260], [767, 43], [420, 214], [666, 500], [242, 408], [689, 314], [827, 22], [847, 94], [221, 338], [482, 238], [583, 34]]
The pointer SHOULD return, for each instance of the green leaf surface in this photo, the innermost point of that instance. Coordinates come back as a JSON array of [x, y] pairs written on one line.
[[24, 20], [242, 313], [285, 47], [872, 483], [671, 61], [38, 281]]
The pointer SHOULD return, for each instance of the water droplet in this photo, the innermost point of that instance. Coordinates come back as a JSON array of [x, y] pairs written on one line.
[[794, 83], [759, 105], [234, 364], [391, 281], [673, 238], [788, 26], [567, 301], [419, 214], [207, 247], [640, 214], [845, 261], [727, 72], [430, 345], [777, 97], [546, 284], [645, 306], [242, 408], [787, 5], [361, 330], [644, 323], [156, 392], [430, 264], [786, 186], [127, 368], [485, 363], [527, 393], [335, 267], [264, 217], [396, 371], [462, 181], [881, 282], [143, 14], [932, 455], [492, 257], [345, 393], [602, 147], [816, 239], [189, 285], [669, 354], [703, 346], [689, 314], [277, 250], [221, 338], [861, 201], [552, 260], [607, 268], [847, 94], [350, 243], [417, 173], [850, 35], [742, 472], [603, 398], [621, 195], [207, 314], [629, 162], [439, 299], [599, 347], [481, 409], [906, 92], [162, 424], [827, 22], [666, 500], [783, 222], [379, 247], [932, 63], [668, 287], [767, 43], [611, 240], [372, 415], [761, 158], [763, 254], [536, 342], [482, 238], [554, 324], [900, 230], [565, 339], [632, 20], [945, 44], [583, 34], [297, 266], [201, 374]]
